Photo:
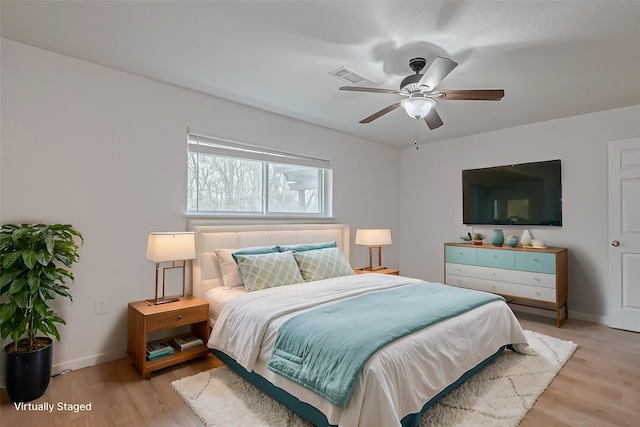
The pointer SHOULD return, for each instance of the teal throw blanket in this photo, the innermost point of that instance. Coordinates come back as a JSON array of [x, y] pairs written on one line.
[[326, 348]]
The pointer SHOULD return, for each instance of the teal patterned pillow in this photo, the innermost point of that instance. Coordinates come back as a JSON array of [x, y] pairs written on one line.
[[322, 264], [229, 266], [264, 271]]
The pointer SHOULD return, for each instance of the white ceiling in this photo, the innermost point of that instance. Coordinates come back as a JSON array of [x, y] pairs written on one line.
[[553, 59]]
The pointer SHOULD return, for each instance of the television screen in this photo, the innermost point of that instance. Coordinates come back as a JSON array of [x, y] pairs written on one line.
[[524, 194]]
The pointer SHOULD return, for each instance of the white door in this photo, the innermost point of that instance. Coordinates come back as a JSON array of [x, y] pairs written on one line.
[[624, 234]]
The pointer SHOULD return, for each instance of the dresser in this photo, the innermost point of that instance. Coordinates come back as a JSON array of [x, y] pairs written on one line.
[[530, 277]]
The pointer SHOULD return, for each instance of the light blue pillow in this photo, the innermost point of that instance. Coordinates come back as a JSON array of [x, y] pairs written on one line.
[[262, 271], [307, 246], [254, 251], [322, 264]]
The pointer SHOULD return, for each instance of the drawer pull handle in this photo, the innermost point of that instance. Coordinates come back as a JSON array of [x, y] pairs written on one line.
[[180, 317]]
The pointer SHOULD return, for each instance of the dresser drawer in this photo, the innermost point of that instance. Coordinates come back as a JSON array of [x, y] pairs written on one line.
[[461, 269], [544, 280], [502, 275], [536, 261], [175, 318], [460, 255], [495, 258], [510, 289]]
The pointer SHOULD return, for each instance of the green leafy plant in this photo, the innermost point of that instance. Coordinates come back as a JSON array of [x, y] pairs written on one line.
[[478, 236], [36, 262]]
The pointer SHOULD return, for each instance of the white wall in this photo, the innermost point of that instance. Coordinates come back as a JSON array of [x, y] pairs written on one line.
[[431, 196], [106, 151]]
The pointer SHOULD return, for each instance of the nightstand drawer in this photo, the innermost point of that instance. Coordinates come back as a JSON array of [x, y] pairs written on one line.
[[175, 318]]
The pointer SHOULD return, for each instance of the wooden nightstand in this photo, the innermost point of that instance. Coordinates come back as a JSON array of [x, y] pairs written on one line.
[[144, 318], [381, 271]]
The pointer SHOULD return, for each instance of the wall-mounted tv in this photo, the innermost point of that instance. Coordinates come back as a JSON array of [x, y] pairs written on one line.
[[524, 194]]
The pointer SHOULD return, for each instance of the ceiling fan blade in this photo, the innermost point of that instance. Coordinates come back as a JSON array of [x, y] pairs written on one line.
[[371, 89], [472, 95], [438, 70], [381, 112], [433, 119]]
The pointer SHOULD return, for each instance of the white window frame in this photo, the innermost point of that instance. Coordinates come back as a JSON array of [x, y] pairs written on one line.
[[197, 142]]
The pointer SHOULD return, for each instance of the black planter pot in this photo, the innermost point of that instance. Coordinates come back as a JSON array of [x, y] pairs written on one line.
[[27, 374]]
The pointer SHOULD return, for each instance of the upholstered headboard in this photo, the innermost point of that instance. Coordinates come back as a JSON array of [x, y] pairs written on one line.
[[206, 273]]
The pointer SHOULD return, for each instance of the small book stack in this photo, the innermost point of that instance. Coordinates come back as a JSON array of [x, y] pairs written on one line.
[[158, 349], [188, 342]]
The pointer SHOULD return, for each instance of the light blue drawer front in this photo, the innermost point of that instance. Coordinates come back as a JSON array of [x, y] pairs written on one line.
[[536, 261], [459, 255], [496, 258]]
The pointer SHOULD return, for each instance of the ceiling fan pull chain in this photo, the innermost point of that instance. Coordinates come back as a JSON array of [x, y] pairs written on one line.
[[416, 141]]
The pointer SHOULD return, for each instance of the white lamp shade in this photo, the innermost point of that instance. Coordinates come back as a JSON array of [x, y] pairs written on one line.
[[418, 108], [162, 247], [373, 237]]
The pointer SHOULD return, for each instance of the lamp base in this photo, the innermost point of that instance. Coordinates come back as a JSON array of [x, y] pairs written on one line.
[[162, 300]]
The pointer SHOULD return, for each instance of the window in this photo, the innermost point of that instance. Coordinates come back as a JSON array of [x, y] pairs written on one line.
[[225, 177]]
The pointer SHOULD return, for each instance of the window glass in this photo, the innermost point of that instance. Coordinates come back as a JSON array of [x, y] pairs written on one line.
[[229, 178]]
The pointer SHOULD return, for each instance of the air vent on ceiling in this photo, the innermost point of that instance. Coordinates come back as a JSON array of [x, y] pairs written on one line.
[[348, 75]]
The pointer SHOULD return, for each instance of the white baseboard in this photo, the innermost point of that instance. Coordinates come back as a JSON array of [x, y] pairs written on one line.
[[588, 317], [89, 361]]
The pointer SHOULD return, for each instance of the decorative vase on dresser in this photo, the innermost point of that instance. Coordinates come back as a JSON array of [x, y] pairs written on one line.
[[526, 238], [497, 238], [512, 241]]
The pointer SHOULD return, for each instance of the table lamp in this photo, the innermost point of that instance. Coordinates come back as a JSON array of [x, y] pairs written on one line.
[[170, 247], [374, 238]]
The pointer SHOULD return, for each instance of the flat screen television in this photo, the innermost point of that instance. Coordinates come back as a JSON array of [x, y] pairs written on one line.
[[523, 194]]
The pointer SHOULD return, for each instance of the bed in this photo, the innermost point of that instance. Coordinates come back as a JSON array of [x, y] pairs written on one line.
[[396, 384]]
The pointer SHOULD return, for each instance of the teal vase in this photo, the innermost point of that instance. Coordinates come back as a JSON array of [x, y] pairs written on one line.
[[497, 238], [512, 241]]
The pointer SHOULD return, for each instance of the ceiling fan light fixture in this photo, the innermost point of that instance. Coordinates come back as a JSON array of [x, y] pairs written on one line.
[[418, 108]]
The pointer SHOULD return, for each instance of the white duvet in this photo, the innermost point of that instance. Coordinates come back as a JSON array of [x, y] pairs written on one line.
[[396, 381]]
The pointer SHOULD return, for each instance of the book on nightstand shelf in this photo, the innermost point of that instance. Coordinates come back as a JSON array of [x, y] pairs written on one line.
[[158, 349], [188, 342], [158, 356]]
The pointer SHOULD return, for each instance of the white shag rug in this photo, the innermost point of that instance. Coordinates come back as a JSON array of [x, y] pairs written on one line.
[[499, 395]]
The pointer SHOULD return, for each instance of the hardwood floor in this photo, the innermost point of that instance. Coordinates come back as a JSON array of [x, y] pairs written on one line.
[[599, 386]]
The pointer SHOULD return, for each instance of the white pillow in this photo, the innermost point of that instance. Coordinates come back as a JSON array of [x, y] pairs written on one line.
[[322, 264], [231, 276], [269, 270]]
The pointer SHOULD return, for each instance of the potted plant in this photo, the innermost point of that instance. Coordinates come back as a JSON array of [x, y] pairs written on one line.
[[36, 262], [478, 238]]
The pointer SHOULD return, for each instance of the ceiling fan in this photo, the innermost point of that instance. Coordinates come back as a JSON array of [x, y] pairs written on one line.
[[421, 93]]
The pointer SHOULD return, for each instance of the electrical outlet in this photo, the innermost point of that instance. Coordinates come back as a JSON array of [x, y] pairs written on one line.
[[102, 305]]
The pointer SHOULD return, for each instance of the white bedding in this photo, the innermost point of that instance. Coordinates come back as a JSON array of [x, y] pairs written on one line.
[[217, 297], [399, 379]]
